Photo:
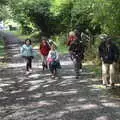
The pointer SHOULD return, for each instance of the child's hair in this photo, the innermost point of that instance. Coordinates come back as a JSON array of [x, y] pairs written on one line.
[[28, 40], [54, 45]]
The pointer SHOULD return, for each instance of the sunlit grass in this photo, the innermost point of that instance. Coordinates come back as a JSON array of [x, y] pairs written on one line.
[[2, 52]]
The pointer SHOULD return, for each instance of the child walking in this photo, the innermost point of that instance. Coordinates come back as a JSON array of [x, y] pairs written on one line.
[[27, 53], [44, 50], [53, 61]]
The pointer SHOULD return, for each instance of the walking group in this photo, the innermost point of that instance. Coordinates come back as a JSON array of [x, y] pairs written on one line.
[[48, 52], [108, 53]]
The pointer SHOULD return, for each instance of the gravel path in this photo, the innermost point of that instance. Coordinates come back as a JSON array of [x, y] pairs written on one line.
[[38, 97]]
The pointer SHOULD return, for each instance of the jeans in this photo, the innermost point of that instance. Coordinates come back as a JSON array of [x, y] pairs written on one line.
[[77, 65], [28, 62]]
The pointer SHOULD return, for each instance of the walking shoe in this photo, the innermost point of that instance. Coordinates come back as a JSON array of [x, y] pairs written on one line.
[[52, 76], [81, 70], [27, 73], [30, 70], [112, 85]]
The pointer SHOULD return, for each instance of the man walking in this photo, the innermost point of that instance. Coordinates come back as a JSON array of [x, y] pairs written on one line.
[[109, 55]]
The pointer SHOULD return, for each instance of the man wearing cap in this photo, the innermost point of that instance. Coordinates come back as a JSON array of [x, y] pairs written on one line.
[[109, 55]]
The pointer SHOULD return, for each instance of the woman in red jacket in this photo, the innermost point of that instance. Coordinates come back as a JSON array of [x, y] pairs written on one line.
[[44, 50]]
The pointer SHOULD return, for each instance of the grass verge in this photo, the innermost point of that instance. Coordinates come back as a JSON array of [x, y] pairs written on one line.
[[2, 52]]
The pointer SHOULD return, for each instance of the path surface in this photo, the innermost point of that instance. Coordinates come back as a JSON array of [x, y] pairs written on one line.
[[37, 97]]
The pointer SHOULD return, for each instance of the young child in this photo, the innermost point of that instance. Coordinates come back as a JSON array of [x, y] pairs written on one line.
[[27, 53], [53, 61], [44, 50]]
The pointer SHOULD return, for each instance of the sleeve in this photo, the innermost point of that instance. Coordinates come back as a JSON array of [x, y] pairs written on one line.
[[57, 55], [22, 50], [100, 51], [116, 52]]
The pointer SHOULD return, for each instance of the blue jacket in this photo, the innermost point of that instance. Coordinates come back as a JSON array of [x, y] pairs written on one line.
[[26, 50]]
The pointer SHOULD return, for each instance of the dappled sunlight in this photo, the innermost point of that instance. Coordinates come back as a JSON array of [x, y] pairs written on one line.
[[66, 82], [34, 87], [59, 93], [15, 65], [82, 107], [35, 82], [16, 91], [4, 84], [81, 100], [89, 106], [34, 76], [66, 63], [111, 104], [46, 103], [103, 118], [58, 114], [68, 77], [38, 95], [83, 81]]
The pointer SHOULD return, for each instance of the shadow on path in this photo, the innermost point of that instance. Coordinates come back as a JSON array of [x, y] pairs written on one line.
[[38, 97]]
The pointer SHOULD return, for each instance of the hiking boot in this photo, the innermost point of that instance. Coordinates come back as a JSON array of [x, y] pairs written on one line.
[[30, 70], [27, 73], [81, 70], [112, 85]]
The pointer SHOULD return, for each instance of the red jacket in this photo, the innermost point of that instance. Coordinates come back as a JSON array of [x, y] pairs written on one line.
[[44, 49], [71, 39]]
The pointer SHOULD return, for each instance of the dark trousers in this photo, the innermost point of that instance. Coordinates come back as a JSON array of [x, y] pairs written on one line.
[[77, 66], [28, 63], [52, 68]]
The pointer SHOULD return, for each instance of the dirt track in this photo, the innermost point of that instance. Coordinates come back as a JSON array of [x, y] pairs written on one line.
[[38, 97]]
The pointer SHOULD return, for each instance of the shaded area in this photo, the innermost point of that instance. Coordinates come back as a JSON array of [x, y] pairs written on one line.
[[38, 97]]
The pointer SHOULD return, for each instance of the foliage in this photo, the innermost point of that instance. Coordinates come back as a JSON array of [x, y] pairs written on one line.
[[1, 48], [56, 16]]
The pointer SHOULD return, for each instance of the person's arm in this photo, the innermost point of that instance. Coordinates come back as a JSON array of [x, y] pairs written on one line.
[[57, 56], [22, 50], [116, 52], [100, 50]]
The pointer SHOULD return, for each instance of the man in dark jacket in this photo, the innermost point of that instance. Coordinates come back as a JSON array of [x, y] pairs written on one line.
[[77, 55], [109, 55]]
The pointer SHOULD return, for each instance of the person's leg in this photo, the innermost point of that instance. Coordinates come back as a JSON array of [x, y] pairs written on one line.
[[76, 67], [105, 75], [42, 58], [45, 61], [80, 64], [27, 64], [51, 68], [30, 62], [112, 74]]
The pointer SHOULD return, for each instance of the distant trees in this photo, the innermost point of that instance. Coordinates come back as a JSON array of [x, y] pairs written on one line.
[[56, 16]]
